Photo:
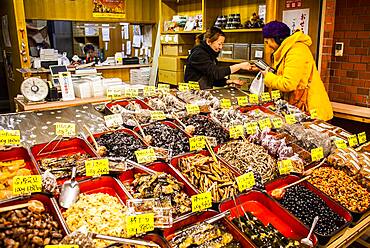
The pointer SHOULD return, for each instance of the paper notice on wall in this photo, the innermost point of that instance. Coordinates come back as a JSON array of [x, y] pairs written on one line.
[[262, 11], [128, 47], [136, 52], [137, 41], [297, 19], [147, 37], [125, 31], [105, 32]]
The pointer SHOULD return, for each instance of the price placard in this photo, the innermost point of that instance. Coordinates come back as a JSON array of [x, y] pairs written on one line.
[[197, 143], [251, 127], [192, 109], [265, 97], [313, 113], [236, 131], [340, 144], [201, 201], [265, 123], [317, 154], [114, 93], [97, 167], [183, 87], [253, 99], [285, 166], [10, 137], [277, 122], [225, 103], [164, 87], [65, 129], [114, 120], [61, 246], [157, 115], [140, 223], [352, 140], [290, 119], [131, 92], [242, 101], [194, 85], [275, 94], [362, 137], [245, 181], [149, 90], [145, 156], [27, 184]]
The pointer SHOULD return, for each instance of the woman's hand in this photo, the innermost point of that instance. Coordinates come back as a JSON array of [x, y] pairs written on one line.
[[237, 82], [245, 66], [265, 71]]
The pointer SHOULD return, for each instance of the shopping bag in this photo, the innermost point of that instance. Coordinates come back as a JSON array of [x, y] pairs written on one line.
[[257, 86]]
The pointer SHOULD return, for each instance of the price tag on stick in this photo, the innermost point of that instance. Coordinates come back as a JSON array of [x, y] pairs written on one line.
[[236, 131], [145, 156], [164, 87], [183, 87], [265, 96], [10, 137], [97, 167], [192, 109], [362, 137], [194, 85], [340, 144], [157, 115], [290, 119], [253, 99], [317, 154], [285, 166], [352, 140], [275, 94], [225, 103], [201, 201], [277, 123], [242, 101], [114, 94], [27, 184], [114, 120], [149, 91], [65, 129], [245, 181], [251, 127]]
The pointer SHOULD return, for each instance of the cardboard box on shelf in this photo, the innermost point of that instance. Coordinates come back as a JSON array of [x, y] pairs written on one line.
[[170, 77], [176, 50], [170, 63], [177, 39]]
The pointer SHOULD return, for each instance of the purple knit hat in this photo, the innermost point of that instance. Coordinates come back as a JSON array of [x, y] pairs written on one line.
[[275, 29]]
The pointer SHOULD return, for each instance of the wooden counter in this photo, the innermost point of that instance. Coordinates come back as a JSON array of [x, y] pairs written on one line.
[[351, 112]]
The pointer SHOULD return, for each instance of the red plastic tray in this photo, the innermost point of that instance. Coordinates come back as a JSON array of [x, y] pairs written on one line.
[[124, 103], [341, 211], [50, 207], [65, 147], [19, 153], [267, 211], [156, 239], [262, 108], [194, 219]]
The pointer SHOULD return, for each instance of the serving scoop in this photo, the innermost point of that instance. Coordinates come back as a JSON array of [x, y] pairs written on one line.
[[70, 191], [307, 241]]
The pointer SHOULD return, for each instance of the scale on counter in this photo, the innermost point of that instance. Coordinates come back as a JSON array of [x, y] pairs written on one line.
[[34, 90]]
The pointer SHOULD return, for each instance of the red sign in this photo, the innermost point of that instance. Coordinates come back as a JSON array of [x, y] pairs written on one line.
[[291, 4]]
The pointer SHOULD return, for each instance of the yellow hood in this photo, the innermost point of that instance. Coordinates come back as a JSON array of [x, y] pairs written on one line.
[[298, 36]]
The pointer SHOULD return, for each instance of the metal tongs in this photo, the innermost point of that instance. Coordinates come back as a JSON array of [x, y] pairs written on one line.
[[133, 164], [124, 241]]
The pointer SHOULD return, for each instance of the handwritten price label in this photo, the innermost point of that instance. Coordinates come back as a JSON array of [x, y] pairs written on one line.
[[194, 85], [10, 137], [114, 93], [197, 143], [285, 166], [140, 223], [236, 131], [164, 87], [265, 123], [251, 127], [192, 109], [201, 201], [149, 91], [225, 103], [183, 87], [253, 99], [265, 96], [313, 113], [362, 137], [340, 144], [131, 92], [27, 184], [317, 154], [242, 101], [290, 119], [277, 123], [114, 120], [97, 167], [157, 115], [145, 156], [65, 129], [352, 140], [275, 94], [245, 181]]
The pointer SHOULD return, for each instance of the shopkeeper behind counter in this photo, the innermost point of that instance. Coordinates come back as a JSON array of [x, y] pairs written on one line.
[[201, 65]]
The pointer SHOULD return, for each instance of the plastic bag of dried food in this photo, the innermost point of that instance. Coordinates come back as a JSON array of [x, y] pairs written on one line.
[[49, 183]]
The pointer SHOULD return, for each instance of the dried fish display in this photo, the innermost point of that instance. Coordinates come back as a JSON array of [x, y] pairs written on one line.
[[261, 235], [282, 108], [324, 127], [120, 144], [200, 98], [204, 235], [205, 126], [131, 112], [167, 137], [244, 155], [207, 175], [61, 167], [167, 103], [163, 186], [355, 164], [229, 117], [342, 188], [101, 213], [8, 170], [29, 227]]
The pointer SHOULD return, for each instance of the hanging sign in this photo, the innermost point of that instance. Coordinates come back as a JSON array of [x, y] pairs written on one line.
[[109, 8]]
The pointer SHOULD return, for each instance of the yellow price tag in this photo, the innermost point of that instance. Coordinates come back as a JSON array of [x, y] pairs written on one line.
[[27, 184], [114, 93], [290, 119], [114, 120], [61, 246], [285, 166], [277, 123], [65, 129], [164, 87], [149, 91], [131, 92], [201, 201], [194, 85], [313, 113], [362, 137], [253, 99], [275, 94], [183, 87], [10, 137], [197, 143], [145, 156], [97, 167], [157, 115], [352, 140], [251, 127], [245, 181], [317, 154], [140, 223], [242, 101], [225, 103], [265, 96], [340, 144], [265, 123], [236, 131], [192, 109]]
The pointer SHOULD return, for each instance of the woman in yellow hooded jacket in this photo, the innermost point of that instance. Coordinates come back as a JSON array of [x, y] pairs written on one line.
[[296, 73]]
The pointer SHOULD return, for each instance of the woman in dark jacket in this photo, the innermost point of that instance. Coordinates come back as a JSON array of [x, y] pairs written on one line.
[[202, 65]]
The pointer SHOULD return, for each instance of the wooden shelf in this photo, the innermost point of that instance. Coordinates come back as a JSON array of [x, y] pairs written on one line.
[[183, 32], [242, 30], [223, 60]]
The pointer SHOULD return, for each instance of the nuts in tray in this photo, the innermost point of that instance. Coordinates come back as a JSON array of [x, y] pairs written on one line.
[[342, 188], [167, 103]]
